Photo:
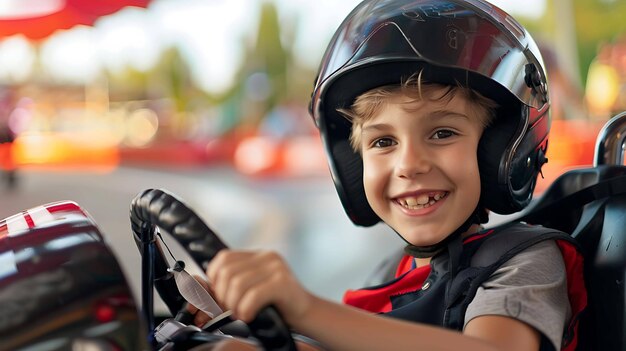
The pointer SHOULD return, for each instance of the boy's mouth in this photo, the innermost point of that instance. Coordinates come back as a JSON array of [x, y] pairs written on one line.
[[422, 200]]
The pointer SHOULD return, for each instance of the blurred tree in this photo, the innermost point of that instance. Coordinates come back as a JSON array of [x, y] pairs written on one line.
[[261, 80], [597, 21], [169, 81], [570, 35], [128, 84], [269, 54], [172, 77], [588, 23]]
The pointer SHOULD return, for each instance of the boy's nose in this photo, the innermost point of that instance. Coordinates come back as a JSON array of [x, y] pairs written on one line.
[[412, 160]]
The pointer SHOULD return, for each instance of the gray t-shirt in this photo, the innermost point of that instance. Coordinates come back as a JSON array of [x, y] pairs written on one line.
[[530, 287]]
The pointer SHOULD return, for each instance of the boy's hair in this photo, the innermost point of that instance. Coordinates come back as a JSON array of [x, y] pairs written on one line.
[[368, 104]]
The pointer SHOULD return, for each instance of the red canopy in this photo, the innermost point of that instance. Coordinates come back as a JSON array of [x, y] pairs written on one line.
[[66, 14]]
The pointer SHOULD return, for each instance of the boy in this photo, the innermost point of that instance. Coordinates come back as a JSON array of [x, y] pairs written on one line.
[[432, 112]]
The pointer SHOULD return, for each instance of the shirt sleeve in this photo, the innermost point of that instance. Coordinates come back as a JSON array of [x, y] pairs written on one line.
[[530, 287]]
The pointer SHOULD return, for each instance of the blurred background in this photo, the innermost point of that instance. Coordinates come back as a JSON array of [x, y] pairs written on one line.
[[100, 100]]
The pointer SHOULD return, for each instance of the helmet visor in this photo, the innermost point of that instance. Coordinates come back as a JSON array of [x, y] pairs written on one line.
[[471, 35]]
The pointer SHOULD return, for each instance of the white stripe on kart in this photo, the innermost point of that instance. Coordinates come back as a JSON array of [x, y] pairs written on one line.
[[16, 224], [40, 215]]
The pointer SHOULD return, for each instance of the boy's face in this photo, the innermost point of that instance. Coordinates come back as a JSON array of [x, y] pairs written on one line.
[[420, 167]]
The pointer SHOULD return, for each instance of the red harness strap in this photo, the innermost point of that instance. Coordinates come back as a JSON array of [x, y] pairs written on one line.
[[379, 300], [576, 290]]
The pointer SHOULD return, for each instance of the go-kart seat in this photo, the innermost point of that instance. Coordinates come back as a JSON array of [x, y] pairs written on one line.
[[590, 204], [600, 228]]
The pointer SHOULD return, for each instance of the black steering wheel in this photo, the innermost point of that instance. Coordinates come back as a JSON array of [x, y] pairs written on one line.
[[157, 208]]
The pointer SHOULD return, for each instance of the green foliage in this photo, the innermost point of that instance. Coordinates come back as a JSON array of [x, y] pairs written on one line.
[[595, 22]]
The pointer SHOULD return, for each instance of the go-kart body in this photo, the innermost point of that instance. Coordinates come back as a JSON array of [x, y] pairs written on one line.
[[61, 287]]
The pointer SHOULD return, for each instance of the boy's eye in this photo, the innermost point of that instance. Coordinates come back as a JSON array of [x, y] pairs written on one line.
[[442, 134], [383, 142]]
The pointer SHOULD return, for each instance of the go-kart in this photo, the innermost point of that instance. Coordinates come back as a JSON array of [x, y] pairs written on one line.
[[61, 287]]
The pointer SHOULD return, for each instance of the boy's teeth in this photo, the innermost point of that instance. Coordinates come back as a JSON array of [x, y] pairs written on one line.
[[422, 199]]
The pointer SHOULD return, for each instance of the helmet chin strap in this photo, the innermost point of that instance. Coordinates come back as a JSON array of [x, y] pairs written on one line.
[[432, 250]]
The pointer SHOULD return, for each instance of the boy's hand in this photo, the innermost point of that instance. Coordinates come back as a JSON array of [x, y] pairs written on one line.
[[245, 282]]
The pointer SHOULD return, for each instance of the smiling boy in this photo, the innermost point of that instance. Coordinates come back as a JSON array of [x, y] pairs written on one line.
[[419, 148], [432, 112]]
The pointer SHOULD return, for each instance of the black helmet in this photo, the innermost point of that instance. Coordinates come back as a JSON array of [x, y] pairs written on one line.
[[466, 42]]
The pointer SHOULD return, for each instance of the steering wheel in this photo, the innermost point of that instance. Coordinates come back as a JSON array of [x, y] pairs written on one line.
[[157, 208]]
